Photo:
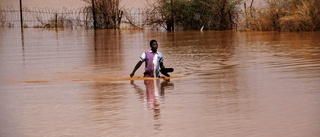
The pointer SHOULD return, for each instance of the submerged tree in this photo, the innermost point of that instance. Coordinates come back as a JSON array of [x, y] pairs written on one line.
[[108, 13], [192, 14]]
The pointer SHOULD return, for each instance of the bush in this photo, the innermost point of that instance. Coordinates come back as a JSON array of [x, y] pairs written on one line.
[[2, 17], [304, 17], [192, 14], [108, 13], [287, 15]]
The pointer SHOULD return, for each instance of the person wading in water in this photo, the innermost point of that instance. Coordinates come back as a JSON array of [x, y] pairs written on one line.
[[153, 62]]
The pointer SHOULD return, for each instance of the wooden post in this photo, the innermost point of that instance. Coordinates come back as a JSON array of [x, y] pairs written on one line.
[[56, 21], [21, 18], [94, 15], [22, 34]]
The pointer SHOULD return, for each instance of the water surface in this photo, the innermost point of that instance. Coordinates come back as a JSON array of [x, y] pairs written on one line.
[[225, 84]]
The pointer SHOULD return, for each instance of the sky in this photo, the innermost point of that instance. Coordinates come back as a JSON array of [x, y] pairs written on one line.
[[54, 4], [75, 4], [60, 4]]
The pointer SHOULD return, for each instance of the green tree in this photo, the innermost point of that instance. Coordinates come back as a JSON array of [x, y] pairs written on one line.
[[193, 14]]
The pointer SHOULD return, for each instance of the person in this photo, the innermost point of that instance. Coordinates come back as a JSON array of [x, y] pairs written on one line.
[[153, 62]]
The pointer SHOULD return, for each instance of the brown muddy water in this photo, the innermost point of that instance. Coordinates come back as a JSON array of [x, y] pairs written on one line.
[[75, 83]]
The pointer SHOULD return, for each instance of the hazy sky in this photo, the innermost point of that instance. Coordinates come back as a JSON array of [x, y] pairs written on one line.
[[55, 4], [74, 4], [60, 4]]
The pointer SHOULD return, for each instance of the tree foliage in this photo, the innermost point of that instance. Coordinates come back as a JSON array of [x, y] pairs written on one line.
[[192, 14], [108, 13]]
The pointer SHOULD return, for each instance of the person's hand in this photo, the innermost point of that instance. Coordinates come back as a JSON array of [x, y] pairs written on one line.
[[131, 75]]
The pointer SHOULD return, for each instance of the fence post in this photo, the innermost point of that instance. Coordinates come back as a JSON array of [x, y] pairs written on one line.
[[56, 21], [21, 18]]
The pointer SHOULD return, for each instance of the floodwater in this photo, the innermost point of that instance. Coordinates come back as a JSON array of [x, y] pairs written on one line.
[[75, 83]]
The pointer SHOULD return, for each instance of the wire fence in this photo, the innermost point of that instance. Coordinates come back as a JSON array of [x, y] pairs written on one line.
[[81, 18]]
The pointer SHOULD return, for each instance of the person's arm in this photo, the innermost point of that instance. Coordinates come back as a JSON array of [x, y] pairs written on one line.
[[162, 66], [161, 63], [136, 68], [163, 70]]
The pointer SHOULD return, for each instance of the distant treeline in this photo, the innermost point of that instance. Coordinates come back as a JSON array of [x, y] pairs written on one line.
[[276, 15]]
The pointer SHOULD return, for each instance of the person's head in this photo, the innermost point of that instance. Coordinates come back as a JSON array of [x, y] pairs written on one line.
[[154, 45]]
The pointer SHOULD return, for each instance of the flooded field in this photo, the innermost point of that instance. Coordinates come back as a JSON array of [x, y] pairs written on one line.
[[57, 83]]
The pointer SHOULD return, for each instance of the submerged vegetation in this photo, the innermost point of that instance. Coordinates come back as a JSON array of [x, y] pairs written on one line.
[[108, 13], [192, 14], [284, 15], [2, 17]]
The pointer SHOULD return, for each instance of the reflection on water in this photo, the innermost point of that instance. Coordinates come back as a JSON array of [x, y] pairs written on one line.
[[153, 95], [76, 83]]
